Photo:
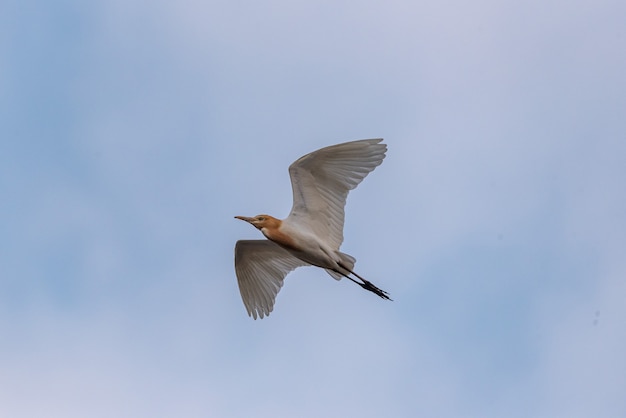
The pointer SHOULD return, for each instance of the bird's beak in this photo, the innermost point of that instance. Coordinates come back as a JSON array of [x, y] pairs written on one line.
[[244, 218]]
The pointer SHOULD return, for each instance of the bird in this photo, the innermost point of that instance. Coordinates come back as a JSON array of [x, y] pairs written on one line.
[[312, 233]]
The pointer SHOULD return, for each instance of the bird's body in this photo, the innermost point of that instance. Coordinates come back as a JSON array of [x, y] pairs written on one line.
[[313, 231], [301, 242]]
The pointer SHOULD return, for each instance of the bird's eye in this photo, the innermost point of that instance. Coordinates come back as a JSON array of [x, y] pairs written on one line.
[[261, 218]]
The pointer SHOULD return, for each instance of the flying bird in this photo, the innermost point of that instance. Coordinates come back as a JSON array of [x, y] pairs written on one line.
[[313, 231]]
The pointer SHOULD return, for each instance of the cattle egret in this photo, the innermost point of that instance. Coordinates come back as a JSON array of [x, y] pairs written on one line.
[[313, 231]]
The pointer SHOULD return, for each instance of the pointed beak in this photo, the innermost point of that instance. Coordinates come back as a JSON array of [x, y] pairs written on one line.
[[244, 218]]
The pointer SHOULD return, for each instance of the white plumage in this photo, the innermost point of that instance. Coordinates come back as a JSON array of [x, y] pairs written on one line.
[[313, 231]]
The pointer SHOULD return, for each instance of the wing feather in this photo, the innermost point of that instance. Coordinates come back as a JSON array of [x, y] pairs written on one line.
[[261, 267], [322, 179]]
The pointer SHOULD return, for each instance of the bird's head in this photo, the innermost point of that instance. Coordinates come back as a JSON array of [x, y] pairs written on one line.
[[261, 221]]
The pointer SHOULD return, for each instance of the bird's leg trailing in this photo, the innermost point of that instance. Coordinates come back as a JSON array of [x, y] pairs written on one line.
[[367, 285]]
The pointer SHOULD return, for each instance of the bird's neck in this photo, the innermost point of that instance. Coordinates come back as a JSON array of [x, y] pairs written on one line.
[[274, 232]]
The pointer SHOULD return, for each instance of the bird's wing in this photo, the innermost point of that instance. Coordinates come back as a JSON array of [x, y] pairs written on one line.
[[261, 266], [322, 179]]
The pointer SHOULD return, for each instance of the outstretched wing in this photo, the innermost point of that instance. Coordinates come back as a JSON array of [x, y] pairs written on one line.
[[322, 179], [261, 266]]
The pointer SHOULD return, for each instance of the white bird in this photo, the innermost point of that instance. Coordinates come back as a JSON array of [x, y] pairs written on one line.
[[313, 231]]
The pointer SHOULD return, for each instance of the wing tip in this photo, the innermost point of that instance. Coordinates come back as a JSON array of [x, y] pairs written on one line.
[[257, 313]]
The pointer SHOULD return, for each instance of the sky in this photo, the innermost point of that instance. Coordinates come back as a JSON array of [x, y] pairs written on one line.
[[131, 133]]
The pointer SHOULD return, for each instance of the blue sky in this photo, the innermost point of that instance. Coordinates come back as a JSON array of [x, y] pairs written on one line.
[[132, 132]]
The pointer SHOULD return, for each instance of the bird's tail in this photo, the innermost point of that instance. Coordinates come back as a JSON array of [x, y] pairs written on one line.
[[347, 261]]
